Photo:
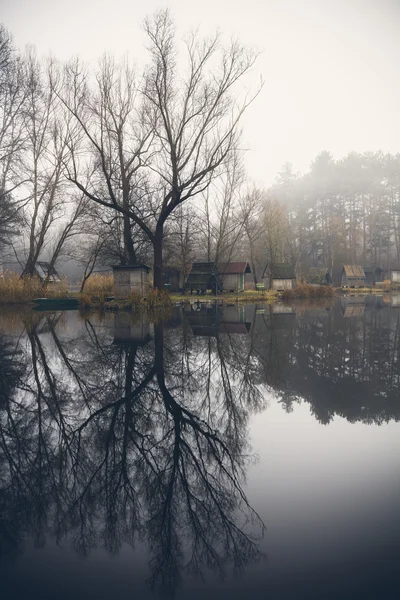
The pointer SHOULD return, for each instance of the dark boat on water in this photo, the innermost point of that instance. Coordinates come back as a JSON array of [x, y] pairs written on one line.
[[56, 303]]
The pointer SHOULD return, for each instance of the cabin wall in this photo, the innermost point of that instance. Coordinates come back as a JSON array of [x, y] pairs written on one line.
[[283, 284], [232, 281], [127, 282], [351, 281], [395, 276]]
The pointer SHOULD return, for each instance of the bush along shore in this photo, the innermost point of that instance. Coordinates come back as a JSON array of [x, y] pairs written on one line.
[[305, 290]]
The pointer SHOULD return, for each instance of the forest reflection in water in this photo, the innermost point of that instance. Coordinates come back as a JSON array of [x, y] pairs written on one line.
[[116, 428]]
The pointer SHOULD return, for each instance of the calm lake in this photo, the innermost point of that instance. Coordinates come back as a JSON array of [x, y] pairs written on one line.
[[221, 452]]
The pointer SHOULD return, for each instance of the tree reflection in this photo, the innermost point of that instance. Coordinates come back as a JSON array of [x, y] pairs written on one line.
[[341, 365], [116, 433], [103, 443]]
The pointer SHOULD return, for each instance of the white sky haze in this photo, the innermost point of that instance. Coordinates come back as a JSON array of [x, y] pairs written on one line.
[[331, 67]]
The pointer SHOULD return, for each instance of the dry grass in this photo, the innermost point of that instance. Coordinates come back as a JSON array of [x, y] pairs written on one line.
[[304, 290], [100, 285], [21, 290], [97, 289]]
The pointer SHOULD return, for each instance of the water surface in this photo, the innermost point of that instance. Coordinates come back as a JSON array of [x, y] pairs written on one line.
[[221, 452]]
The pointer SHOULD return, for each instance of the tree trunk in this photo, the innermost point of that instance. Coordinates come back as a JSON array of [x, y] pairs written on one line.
[[158, 256], [129, 250]]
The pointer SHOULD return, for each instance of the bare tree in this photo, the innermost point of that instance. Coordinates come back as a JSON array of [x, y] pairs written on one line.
[[253, 205], [12, 98], [222, 217], [46, 152], [182, 239], [117, 135], [197, 116], [182, 129]]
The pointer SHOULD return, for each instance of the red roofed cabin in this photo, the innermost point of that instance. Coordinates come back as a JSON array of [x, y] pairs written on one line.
[[232, 275]]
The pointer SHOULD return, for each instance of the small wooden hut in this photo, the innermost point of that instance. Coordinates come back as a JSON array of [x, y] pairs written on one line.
[[373, 275], [279, 276], [395, 276], [202, 277], [232, 275], [45, 272], [352, 276], [319, 276], [129, 279]]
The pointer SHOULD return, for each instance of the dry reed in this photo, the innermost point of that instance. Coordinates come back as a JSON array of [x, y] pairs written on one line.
[[304, 290], [15, 289]]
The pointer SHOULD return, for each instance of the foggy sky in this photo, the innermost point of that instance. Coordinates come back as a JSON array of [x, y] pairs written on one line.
[[331, 67]]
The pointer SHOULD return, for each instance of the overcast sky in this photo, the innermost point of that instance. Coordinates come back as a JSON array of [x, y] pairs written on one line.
[[331, 67]]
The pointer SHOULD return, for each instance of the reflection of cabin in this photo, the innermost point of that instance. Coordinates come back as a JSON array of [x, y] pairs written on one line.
[[352, 276], [130, 329], [319, 276], [211, 320], [232, 274], [281, 316], [279, 276], [352, 306], [46, 273], [373, 275], [233, 319], [202, 277], [395, 276], [129, 279], [203, 319], [395, 301], [171, 278]]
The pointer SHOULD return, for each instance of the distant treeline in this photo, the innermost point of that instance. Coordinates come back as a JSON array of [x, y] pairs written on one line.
[[345, 211]]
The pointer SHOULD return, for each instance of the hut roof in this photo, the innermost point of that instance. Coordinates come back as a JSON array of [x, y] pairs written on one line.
[[201, 274], [137, 267], [233, 268], [319, 270], [198, 278], [354, 271], [318, 274], [208, 268], [280, 271], [44, 271]]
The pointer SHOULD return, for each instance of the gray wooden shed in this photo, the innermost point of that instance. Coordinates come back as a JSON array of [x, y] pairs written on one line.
[[129, 279], [202, 277], [232, 275], [279, 276], [395, 276], [352, 276]]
